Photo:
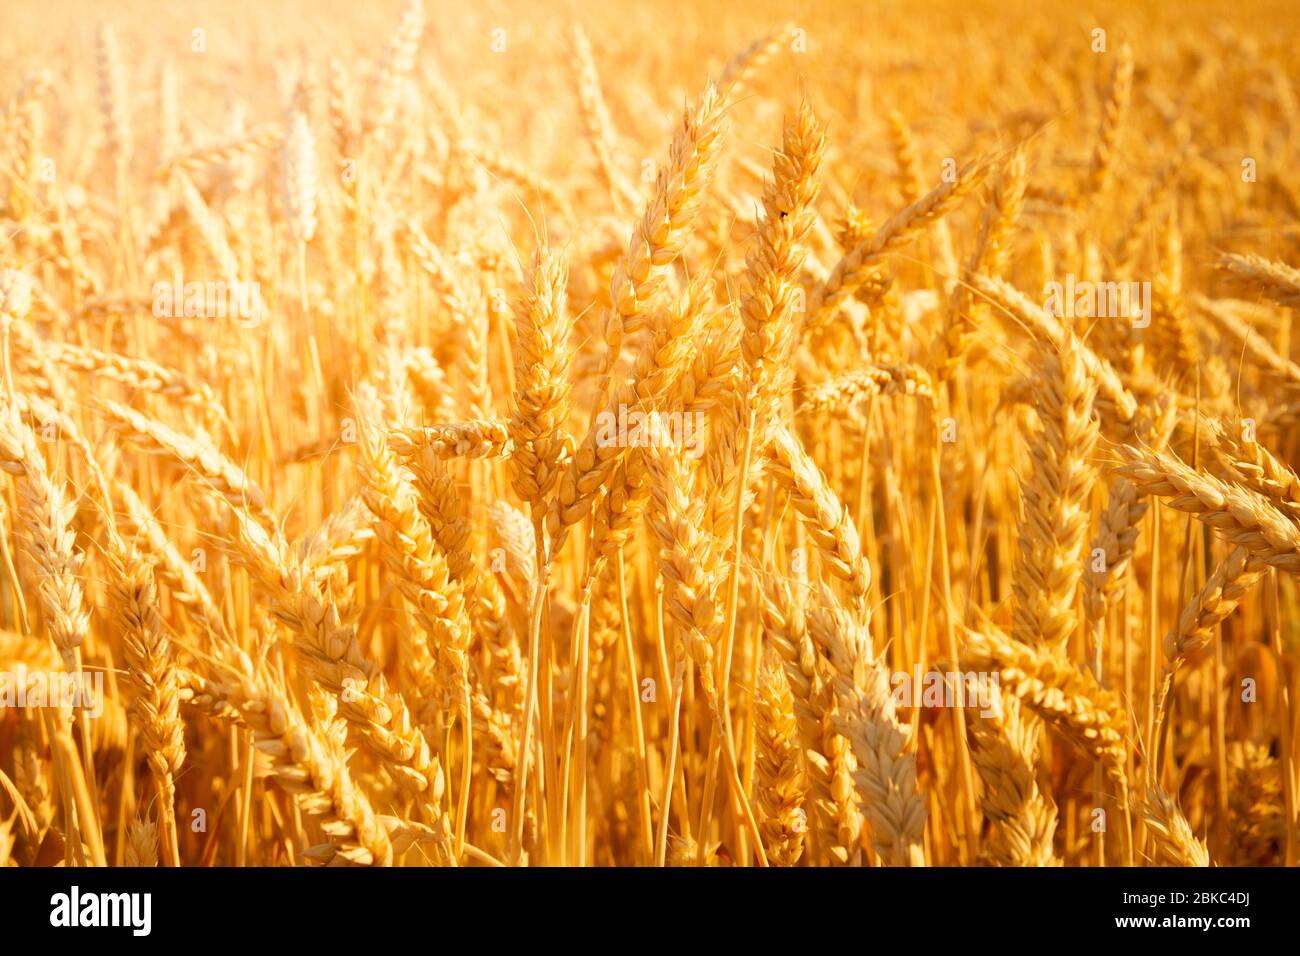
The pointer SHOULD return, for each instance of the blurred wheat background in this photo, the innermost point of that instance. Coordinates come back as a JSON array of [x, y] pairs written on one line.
[[314, 317]]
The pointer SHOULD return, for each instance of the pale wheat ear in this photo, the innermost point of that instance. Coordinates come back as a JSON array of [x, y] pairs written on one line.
[[113, 104], [1176, 845], [1119, 90], [299, 180], [598, 125], [141, 843], [664, 227], [1277, 280]]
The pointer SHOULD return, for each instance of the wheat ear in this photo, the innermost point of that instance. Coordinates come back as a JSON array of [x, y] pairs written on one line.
[[778, 778], [1022, 819], [885, 777], [825, 518], [660, 236], [155, 706], [827, 755], [1068, 699], [1176, 844], [1237, 514], [1054, 501], [542, 386], [857, 265]]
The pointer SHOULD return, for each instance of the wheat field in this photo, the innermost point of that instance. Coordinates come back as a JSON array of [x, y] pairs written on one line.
[[579, 434]]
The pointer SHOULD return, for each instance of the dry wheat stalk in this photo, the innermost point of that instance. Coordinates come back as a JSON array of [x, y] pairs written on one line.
[[993, 248], [336, 661], [42, 526], [1261, 353], [1253, 466], [397, 63], [133, 372], [657, 368], [1111, 553], [1119, 399], [1231, 580], [112, 95], [210, 228], [768, 306], [741, 68], [421, 570], [598, 125], [308, 763], [298, 183], [247, 147], [142, 843], [1257, 821], [1114, 110]]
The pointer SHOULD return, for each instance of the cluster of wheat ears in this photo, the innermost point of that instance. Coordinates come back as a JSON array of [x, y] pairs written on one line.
[[369, 578]]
